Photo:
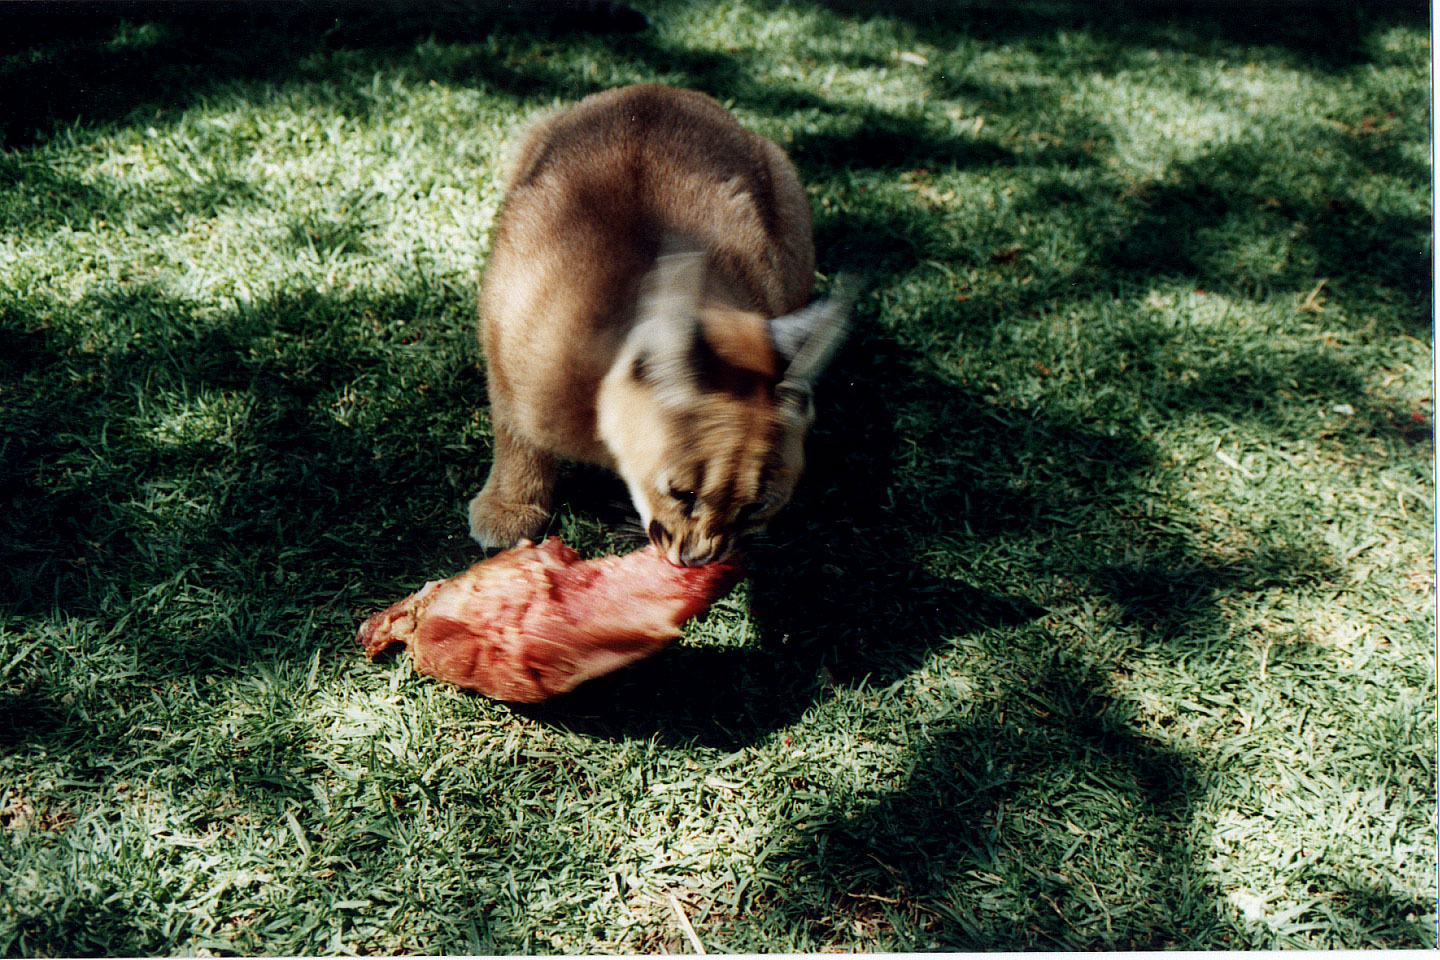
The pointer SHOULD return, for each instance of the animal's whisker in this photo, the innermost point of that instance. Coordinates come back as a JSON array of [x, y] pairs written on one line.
[[630, 530]]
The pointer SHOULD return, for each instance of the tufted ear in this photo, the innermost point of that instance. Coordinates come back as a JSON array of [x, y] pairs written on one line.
[[661, 344], [808, 338]]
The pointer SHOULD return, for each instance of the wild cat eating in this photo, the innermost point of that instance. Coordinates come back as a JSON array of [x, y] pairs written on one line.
[[644, 308]]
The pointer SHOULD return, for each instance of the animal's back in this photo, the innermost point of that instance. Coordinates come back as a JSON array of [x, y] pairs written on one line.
[[594, 192]]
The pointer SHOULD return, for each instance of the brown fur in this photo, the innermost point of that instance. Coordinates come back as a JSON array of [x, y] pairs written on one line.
[[661, 368]]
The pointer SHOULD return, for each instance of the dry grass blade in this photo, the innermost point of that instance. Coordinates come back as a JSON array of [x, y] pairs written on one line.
[[685, 926]]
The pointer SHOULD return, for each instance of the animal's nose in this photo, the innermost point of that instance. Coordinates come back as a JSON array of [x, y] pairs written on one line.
[[681, 552], [692, 558], [695, 553]]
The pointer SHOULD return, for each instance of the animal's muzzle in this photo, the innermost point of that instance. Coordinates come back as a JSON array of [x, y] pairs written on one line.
[[692, 550]]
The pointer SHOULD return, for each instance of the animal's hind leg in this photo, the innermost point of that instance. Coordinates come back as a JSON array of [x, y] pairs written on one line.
[[518, 496]]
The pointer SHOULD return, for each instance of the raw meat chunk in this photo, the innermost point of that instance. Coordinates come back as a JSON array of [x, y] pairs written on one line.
[[536, 621]]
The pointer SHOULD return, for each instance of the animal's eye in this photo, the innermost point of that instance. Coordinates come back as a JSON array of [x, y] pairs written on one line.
[[750, 511], [686, 498]]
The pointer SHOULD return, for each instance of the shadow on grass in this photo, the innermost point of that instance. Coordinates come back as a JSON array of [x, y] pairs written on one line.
[[843, 601], [1369, 255], [305, 512], [237, 410], [1327, 35], [288, 513], [98, 61], [965, 855]]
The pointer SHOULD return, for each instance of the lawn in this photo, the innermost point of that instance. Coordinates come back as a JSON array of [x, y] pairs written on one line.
[[1103, 617]]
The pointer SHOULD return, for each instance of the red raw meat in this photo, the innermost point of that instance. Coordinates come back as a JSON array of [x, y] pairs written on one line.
[[533, 622]]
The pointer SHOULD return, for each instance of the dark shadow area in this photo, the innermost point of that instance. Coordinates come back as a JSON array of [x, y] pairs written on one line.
[[1338, 235], [875, 139], [309, 510], [1369, 912], [34, 197], [285, 477], [959, 857], [1328, 34], [95, 61], [98, 61], [30, 718]]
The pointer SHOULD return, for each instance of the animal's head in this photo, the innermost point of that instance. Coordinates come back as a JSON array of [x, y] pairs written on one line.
[[705, 411]]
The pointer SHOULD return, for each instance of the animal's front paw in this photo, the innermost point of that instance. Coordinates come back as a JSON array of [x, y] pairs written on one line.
[[497, 524]]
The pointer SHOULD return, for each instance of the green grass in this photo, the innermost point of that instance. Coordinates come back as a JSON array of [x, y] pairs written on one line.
[[1104, 617]]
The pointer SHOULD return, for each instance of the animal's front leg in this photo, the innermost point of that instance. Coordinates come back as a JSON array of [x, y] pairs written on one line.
[[518, 496]]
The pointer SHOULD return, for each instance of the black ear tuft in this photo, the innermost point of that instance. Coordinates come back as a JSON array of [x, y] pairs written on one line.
[[793, 394], [809, 337]]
